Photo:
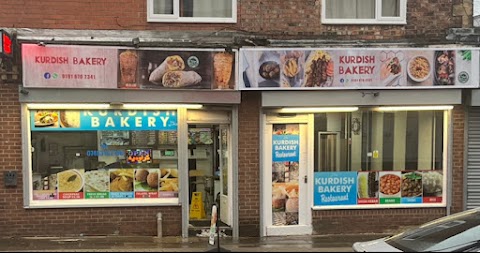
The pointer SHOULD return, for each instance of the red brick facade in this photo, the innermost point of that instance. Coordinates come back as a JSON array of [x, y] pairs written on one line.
[[427, 21]]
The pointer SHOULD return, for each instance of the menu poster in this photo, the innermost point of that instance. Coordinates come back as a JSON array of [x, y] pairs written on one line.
[[367, 183], [390, 186], [97, 184], [121, 183], [146, 183], [432, 186], [70, 184], [285, 174], [378, 188], [168, 187]]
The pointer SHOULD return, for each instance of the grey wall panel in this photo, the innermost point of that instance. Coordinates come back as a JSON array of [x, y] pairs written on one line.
[[128, 96], [312, 98]]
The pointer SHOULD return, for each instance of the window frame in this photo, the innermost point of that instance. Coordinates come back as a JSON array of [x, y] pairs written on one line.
[[175, 17], [378, 20]]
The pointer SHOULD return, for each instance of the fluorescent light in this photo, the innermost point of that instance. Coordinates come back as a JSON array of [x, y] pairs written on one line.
[[161, 106], [415, 108], [317, 109], [68, 106]]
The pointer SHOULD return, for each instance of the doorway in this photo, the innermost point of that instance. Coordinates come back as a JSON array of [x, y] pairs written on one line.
[[209, 172], [286, 204]]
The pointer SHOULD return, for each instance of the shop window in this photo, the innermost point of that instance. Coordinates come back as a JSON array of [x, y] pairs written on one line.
[[372, 157], [364, 11], [103, 157], [212, 11]]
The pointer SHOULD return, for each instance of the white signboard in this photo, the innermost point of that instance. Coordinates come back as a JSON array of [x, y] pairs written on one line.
[[358, 68], [75, 67]]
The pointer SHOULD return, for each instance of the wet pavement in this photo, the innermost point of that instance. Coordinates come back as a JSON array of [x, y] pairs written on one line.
[[314, 243]]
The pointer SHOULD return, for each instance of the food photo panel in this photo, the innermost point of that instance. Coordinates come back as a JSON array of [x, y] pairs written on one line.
[[390, 186]]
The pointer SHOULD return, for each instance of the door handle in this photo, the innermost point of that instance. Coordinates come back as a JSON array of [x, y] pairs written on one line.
[[305, 179]]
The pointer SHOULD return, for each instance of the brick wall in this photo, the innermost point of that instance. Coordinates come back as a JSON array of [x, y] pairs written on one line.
[[458, 119], [426, 20], [18, 221], [249, 168]]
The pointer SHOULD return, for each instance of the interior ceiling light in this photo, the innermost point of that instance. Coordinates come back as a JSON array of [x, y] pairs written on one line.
[[161, 106], [317, 109], [415, 108]]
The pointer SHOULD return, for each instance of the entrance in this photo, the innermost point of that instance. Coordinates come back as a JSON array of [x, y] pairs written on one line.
[[209, 173], [286, 204]]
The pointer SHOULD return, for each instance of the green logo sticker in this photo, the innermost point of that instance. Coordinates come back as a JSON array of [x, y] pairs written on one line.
[[193, 61], [463, 77]]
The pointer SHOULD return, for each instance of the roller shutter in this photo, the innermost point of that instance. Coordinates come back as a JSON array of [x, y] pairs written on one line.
[[473, 159]]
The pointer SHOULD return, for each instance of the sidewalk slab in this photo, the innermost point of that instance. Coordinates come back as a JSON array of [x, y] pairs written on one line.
[[313, 243]]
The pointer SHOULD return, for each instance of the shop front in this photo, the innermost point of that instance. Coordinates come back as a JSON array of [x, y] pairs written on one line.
[[108, 127], [354, 136]]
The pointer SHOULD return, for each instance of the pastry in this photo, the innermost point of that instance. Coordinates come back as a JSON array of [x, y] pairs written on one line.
[[171, 63], [178, 79]]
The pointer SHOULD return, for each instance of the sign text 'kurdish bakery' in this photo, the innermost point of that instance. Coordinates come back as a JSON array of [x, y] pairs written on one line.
[[354, 68], [75, 120], [102, 67], [72, 60]]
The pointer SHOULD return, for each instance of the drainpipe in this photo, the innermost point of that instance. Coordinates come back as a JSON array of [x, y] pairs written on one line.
[[159, 225], [476, 13]]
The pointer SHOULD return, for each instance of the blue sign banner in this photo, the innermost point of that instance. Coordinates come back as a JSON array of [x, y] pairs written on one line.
[[413, 200], [335, 188], [103, 120], [122, 195], [286, 148]]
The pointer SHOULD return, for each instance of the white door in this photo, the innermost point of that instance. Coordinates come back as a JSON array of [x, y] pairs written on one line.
[[285, 159], [224, 154]]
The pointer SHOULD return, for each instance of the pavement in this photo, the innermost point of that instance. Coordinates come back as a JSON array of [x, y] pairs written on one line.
[[311, 243]]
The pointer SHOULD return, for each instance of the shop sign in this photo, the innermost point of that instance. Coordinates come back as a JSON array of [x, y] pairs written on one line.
[[358, 68], [67, 66], [400, 188], [102, 120], [335, 188]]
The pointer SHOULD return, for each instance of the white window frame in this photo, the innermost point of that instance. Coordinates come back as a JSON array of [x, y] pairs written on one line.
[[379, 20], [175, 17]]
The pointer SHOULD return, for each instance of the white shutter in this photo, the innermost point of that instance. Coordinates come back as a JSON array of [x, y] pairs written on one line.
[[473, 159]]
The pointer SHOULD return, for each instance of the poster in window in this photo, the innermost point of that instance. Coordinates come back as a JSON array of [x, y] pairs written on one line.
[[285, 174], [146, 183]]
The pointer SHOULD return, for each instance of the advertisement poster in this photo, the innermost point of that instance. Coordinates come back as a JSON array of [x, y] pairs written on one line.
[[168, 187], [73, 66], [378, 188], [285, 174], [146, 183], [121, 183], [70, 184], [354, 68], [95, 120], [335, 188], [140, 183]]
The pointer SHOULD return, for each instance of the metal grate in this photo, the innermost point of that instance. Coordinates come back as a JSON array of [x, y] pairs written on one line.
[[473, 159]]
